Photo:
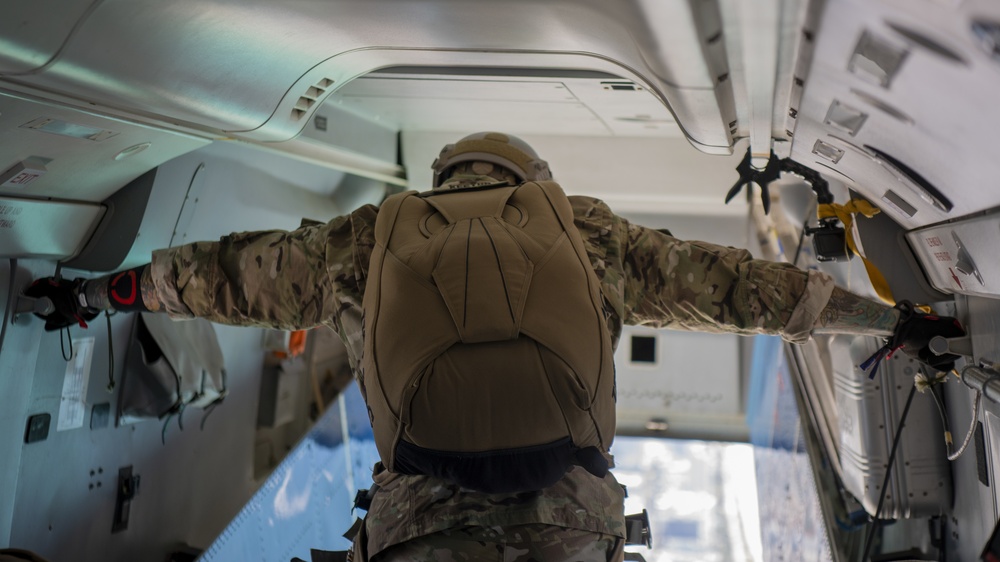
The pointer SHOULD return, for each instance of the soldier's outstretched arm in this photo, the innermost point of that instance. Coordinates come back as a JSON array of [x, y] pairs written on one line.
[[132, 289], [701, 286], [847, 313], [276, 279], [707, 287]]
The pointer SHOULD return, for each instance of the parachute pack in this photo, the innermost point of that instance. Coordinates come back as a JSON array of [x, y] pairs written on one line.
[[487, 360]]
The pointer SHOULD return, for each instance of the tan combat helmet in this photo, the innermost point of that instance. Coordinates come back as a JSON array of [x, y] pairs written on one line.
[[501, 149]]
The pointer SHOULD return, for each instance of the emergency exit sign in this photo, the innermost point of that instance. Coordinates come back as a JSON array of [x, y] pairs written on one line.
[[23, 173]]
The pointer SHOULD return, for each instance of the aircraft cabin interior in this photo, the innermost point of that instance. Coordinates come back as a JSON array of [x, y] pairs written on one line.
[[128, 126]]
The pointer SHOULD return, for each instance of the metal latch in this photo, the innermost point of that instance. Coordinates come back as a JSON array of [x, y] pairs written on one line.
[[128, 487]]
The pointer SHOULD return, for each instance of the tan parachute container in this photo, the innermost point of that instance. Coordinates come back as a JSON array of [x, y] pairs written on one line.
[[487, 360]]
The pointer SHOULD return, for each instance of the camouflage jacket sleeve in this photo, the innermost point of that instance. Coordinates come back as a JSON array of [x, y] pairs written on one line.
[[277, 279], [655, 280]]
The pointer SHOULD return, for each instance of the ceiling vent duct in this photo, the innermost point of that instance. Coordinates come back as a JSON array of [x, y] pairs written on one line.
[[312, 95]]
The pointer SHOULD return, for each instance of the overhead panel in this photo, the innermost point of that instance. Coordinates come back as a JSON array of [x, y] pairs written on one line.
[[77, 155], [450, 105], [900, 104], [592, 104], [259, 69], [626, 108]]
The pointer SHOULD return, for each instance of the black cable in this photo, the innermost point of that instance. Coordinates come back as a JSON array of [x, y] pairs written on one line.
[[10, 300], [111, 354], [62, 343], [802, 237], [805, 228], [944, 420], [888, 473]]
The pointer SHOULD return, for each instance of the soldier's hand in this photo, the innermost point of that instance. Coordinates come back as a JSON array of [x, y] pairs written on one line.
[[68, 310], [915, 330]]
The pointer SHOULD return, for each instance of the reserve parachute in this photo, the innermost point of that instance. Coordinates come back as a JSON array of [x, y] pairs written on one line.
[[487, 360]]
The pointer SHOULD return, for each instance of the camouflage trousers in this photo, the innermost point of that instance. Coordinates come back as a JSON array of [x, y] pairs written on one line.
[[522, 543]]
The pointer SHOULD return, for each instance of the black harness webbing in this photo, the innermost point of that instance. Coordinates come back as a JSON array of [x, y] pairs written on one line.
[[326, 556]]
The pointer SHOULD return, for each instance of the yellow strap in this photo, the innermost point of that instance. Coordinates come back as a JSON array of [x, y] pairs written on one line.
[[846, 214]]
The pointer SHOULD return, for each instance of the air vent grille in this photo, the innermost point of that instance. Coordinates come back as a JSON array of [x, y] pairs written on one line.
[[621, 86], [312, 95]]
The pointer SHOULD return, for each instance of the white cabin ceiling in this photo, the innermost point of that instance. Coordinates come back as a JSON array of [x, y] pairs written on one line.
[[241, 67], [591, 105]]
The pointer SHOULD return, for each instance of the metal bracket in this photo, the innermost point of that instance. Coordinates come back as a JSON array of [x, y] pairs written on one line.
[[637, 529], [940, 345], [27, 304], [774, 169], [984, 380]]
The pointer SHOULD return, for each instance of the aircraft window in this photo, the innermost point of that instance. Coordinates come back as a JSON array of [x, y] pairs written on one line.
[[644, 349], [845, 118], [899, 203], [876, 59]]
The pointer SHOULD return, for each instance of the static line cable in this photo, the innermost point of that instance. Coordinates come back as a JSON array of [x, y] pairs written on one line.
[[926, 385], [972, 427], [948, 442], [888, 473]]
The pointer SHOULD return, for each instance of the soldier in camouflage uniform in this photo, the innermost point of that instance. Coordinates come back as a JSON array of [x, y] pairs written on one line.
[[317, 275]]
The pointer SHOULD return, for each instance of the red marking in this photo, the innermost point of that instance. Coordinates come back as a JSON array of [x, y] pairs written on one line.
[[955, 277], [114, 288], [24, 178]]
